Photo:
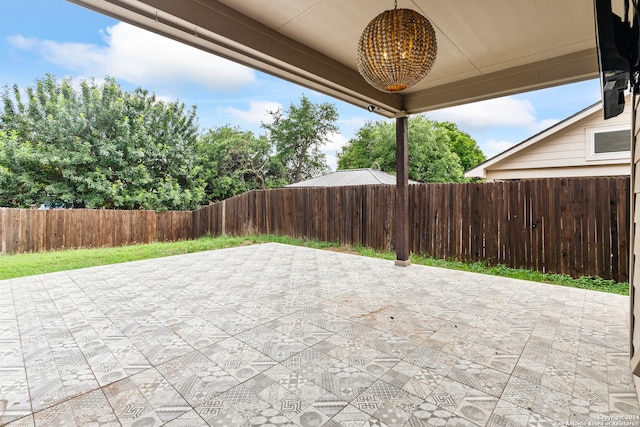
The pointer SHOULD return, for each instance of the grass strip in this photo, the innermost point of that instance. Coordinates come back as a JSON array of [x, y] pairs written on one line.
[[585, 282], [20, 265]]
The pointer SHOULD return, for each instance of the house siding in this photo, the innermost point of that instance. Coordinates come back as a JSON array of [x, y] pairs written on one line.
[[634, 249], [567, 149], [564, 153], [565, 172]]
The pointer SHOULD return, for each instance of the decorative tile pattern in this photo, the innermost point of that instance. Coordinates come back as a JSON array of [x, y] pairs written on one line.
[[198, 332], [238, 358], [434, 360], [15, 402], [217, 412], [196, 378], [506, 414], [479, 377], [286, 402], [188, 419], [329, 404], [288, 336], [146, 396], [350, 416], [244, 400], [344, 381], [302, 331], [88, 409]]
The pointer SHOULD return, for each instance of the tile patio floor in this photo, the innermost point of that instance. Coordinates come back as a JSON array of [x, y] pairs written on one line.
[[280, 335]]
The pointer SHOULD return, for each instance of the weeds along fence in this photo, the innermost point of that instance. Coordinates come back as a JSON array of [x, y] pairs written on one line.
[[577, 226]]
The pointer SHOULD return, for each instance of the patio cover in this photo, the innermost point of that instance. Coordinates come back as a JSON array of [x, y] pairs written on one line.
[[486, 48]]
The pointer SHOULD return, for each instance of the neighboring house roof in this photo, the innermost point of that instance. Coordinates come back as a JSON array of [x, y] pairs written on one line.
[[350, 177], [480, 171]]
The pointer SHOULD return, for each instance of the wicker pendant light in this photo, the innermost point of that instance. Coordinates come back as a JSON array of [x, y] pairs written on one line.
[[396, 50]]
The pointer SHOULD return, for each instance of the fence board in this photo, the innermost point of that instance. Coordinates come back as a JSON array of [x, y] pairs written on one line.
[[592, 226], [602, 213], [30, 230], [582, 249], [536, 227], [566, 226], [623, 219], [475, 205], [613, 216], [554, 235], [457, 220]]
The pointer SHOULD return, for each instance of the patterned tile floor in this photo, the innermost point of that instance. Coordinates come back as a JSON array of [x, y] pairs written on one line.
[[287, 336]]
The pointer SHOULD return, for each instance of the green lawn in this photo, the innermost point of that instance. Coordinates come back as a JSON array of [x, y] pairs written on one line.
[[20, 265]]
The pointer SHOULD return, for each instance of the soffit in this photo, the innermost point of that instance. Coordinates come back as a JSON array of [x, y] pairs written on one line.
[[486, 48]]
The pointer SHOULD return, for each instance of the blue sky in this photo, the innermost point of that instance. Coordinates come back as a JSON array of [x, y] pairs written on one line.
[[57, 37]]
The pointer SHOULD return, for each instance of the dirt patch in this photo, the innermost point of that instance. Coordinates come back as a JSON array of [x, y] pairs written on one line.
[[341, 249], [373, 315]]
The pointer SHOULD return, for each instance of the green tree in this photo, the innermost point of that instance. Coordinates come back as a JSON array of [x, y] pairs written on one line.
[[233, 162], [15, 185], [431, 154], [373, 147], [464, 146], [97, 147], [297, 136]]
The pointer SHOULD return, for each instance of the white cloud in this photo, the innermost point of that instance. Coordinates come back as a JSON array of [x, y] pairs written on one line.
[[20, 42], [499, 112], [493, 147], [356, 122], [141, 58], [336, 142], [166, 98], [257, 113], [544, 124]]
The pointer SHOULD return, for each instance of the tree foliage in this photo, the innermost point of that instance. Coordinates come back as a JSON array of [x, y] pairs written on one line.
[[297, 136], [12, 177], [233, 162], [464, 146], [96, 147], [436, 150]]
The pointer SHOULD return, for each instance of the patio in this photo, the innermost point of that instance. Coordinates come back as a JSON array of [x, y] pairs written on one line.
[[280, 335]]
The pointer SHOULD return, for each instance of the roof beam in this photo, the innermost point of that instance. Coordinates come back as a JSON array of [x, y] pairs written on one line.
[[564, 69]]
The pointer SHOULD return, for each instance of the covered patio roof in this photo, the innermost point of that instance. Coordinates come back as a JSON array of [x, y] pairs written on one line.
[[486, 48]]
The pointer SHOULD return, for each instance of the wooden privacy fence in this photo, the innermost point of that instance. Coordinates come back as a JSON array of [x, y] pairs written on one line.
[[575, 226], [349, 215], [33, 230]]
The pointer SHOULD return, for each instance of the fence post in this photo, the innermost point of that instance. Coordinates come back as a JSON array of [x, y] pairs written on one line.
[[224, 217]]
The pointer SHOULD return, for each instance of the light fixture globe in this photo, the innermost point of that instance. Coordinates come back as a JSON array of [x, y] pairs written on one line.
[[396, 50]]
